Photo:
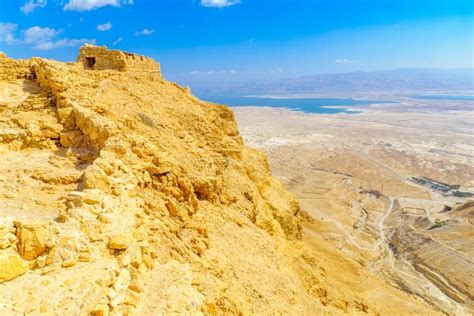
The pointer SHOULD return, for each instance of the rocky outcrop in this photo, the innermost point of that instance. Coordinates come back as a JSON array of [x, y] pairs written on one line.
[[153, 171]]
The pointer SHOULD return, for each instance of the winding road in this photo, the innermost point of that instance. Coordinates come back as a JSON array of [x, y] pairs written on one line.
[[380, 227]]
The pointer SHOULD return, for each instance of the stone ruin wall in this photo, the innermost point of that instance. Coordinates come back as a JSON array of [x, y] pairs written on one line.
[[138, 63], [106, 59], [11, 69]]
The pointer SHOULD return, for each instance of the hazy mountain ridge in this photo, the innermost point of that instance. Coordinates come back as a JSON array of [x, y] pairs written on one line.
[[399, 80]]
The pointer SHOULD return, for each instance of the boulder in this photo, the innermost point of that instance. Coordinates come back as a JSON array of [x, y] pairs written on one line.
[[31, 240], [11, 265], [120, 242]]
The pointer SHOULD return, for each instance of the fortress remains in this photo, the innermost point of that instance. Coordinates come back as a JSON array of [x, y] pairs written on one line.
[[100, 58], [90, 57]]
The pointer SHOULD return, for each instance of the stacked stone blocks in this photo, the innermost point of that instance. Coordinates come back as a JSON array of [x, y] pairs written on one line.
[[100, 58], [14, 69]]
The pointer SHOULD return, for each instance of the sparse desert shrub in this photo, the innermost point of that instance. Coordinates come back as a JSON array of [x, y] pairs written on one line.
[[438, 224]]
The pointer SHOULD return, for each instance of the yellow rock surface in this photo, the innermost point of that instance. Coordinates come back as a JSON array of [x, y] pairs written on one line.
[[11, 265], [120, 242], [31, 240]]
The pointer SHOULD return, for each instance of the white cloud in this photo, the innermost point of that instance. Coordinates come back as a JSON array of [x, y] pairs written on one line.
[[104, 27], [144, 32], [88, 5], [219, 3], [63, 43], [215, 72], [118, 40], [45, 38], [32, 5], [198, 72], [7, 32], [345, 61], [37, 34]]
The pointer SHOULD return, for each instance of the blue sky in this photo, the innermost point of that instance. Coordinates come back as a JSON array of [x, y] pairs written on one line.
[[246, 39]]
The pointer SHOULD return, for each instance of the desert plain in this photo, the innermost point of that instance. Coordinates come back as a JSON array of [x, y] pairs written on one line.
[[355, 176]]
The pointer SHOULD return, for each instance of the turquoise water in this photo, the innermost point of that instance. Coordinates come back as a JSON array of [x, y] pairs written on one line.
[[309, 105], [444, 97]]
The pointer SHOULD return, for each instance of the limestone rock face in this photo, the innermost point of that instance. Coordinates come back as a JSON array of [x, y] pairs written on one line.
[[126, 195]]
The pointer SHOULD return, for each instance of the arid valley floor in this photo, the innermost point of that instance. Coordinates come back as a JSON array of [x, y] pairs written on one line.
[[352, 173]]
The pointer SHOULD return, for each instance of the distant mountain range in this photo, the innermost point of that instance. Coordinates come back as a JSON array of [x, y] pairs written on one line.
[[399, 80]]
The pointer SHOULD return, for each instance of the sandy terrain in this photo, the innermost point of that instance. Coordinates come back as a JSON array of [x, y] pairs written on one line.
[[353, 175]]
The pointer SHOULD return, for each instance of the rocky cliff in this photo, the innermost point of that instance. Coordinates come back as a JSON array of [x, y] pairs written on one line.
[[122, 193]]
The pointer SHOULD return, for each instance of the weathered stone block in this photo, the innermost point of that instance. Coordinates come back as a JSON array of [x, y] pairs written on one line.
[[32, 239], [11, 265], [120, 242]]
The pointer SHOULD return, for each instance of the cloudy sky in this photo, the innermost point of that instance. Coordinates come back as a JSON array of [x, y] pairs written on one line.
[[245, 39]]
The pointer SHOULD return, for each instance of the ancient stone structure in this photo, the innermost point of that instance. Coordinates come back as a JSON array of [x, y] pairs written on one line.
[[100, 58], [14, 69]]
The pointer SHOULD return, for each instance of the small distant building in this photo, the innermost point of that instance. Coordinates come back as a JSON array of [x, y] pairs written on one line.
[[100, 58]]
